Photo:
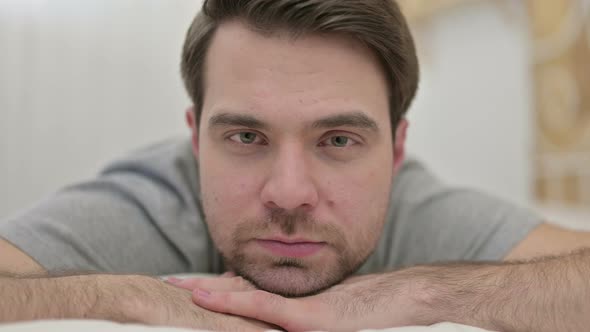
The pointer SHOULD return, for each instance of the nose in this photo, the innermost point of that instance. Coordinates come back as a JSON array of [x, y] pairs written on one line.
[[289, 185]]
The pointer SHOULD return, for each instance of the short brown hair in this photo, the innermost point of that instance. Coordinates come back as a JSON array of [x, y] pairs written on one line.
[[379, 24]]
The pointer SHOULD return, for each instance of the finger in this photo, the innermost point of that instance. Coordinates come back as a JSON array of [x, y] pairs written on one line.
[[236, 284], [172, 280], [289, 314], [228, 274]]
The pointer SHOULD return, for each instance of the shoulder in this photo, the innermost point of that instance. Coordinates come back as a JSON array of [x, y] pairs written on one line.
[[415, 182], [169, 165]]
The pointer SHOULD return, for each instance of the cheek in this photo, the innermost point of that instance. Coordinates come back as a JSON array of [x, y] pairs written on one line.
[[360, 201], [359, 190], [229, 194], [225, 181]]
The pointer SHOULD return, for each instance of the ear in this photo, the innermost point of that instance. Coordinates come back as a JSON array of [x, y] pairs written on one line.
[[192, 124], [399, 146]]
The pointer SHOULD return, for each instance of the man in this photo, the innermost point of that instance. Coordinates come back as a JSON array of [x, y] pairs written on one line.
[[298, 132]]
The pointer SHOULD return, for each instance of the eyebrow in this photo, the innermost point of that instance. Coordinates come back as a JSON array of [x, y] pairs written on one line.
[[228, 119], [352, 119]]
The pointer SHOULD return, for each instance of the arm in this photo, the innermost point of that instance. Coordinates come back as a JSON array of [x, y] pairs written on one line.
[[549, 240], [551, 293], [547, 294], [13, 261], [29, 293], [554, 288], [19, 300], [55, 298], [125, 299]]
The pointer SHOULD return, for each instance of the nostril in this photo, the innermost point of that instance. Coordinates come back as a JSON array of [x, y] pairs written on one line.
[[271, 205], [289, 191]]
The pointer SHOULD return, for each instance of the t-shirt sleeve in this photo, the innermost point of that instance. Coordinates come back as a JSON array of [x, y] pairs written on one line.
[[134, 218], [433, 222]]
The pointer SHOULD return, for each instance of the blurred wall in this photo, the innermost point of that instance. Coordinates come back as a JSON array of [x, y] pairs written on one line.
[[472, 120], [81, 82]]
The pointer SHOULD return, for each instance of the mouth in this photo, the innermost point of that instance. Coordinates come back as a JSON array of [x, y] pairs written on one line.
[[294, 248]]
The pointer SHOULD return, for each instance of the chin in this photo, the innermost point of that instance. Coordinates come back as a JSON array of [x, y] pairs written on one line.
[[292, 277], [291, 281]]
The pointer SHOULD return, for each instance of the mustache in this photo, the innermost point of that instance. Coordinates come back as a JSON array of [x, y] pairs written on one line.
[[289, 223]]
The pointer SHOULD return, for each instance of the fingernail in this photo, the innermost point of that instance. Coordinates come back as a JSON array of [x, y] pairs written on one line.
[[228, 274], [173, 280], [203, 294]]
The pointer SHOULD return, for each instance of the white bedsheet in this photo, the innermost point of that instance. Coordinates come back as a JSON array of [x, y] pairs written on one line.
[[103, 326]]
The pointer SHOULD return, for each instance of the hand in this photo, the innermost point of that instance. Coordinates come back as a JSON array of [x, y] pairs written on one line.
[[225, 282], [153, 302], [373, 301]]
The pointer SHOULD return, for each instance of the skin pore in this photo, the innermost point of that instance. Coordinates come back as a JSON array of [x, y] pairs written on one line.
[[296, 156]]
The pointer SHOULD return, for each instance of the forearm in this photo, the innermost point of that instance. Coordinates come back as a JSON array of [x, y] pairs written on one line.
[[549, 294], [74, 297]]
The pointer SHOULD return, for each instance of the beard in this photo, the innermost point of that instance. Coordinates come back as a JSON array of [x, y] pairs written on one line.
[[293, 277]]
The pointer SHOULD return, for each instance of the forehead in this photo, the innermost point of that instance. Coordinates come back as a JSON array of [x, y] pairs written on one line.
[[294, 79]]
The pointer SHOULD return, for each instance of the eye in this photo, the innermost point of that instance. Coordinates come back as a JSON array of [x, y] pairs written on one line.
[[247, 138], [339, 141]]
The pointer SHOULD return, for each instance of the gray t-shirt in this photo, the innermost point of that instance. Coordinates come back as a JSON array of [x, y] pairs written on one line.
[[142, 215]]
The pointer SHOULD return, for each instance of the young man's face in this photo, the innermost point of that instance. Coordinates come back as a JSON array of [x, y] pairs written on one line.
[[296, 156]]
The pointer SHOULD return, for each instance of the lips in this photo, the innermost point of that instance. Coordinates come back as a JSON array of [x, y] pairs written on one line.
[[294, 248]]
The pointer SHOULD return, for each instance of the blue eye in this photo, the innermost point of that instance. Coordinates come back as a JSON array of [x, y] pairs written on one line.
[[247, 138], [339, 141]]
